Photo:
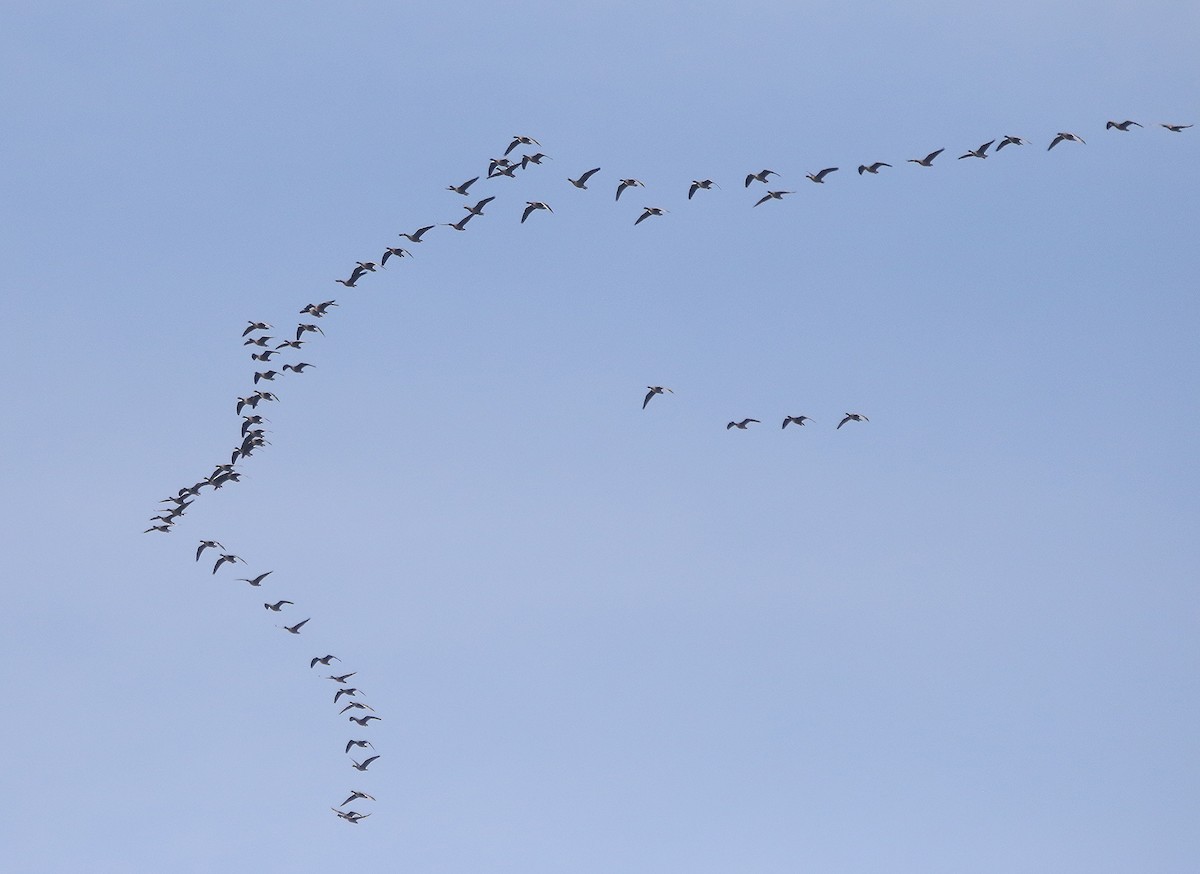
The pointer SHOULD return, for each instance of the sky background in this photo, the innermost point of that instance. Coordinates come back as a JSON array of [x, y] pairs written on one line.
[[960, 637]]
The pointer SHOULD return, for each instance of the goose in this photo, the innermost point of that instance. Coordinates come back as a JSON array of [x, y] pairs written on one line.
[[348, 691], [981, 152], [355, 275], [264, 396], [164, 528], [799, 420], [278, 605], [227, 558], [1063, 135], [355, 705], [323, 660], [302, 328], [181, 502], [509, 170], [290, 344], [318, 310], [357, 743], [760, 176], [927, 161], [219, 480], [773, 195], [363, 720], [852, 417], [649, 211], [363, 765], [355, 794], [415, 236], [265, 355], [1175, 128], [295, 629], [251, 420], [256, 581], [628, 183], [532, 205], [1122, 126], [393, 250], [741, 425], [581, 182], [343, 678], [871, 168], [820, 177], [1011, 141], [537, 158], [457, 189], [700, 185], [298, 368], [477, 209], [497, 164], [268, 375], [208, 544], [257, 341], [519, 140], [461, 224], [350, 815], [369, 266], [251, 402], [257, 326], [175, 499], [654, 390]]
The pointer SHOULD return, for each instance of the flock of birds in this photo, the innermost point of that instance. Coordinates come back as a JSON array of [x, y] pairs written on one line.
[[265, 347]]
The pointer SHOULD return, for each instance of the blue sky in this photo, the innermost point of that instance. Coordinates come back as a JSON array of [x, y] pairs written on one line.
[[961, 636]]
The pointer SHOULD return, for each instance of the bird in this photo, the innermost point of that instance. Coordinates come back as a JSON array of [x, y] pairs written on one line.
[[477, 209], [350, 815], [1175, 128], [357, 743], [628, 183], [355, 794], [340, 692], [227, 558], [581, 182], [256, 581], [760, 176], [872, 168], [298, 368], [820, 177], [268, 375], [278, 605], [415, 236], [363, 765], [355, 275], [498, 165], [742, 424], [208, 544], [773, 195], [1122, 126], [257, 326], [654, 390], [295, 629], [532, 205], [318, 310], [537, 158], [251, 420], [927, 161], [1011, 141], [459, 189], [1063, 135], [302, 328], [799, 420], [700, 185], [649, 211], [519, 140], [852, 417], [393, 250], [290, 344], [257, 341], [981, 152], [243, 402], [363, 720], [164, 528], [461, 224], [355, 705], [265, 355], [324, 660], [343, 678]]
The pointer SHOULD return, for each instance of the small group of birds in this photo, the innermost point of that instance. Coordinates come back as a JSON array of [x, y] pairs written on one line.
[[797, 420]]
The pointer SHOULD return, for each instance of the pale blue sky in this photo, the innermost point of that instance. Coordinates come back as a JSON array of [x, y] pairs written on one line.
[[960, 637]]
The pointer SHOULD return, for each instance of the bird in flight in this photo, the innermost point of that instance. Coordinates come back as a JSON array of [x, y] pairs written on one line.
[[415, 236], [208, 544], [278, 605], [741, 425], [318, 310], [1122, 126], [355, 705], [324, 660], [1011, 141], [357, 743], [355, 275], [654, 390], [355, 794], [348, 691], [459, 189], [852, 417], [363, 765], [398, 251], [226, 558], [1063, 135], [519, 140], [295, 629], [350, 815], [526, 160], [257, 581], [760, 176], [363, 720], [581, 182], [649, 211], [1176, 128], [981, 152], [257, 326], [773, 195], [700, 185], [477, 209], [871, 168], [798, 420], [343, 678], [298, 368], [532, 205], [820, 177], [628, 183], [927, 161]]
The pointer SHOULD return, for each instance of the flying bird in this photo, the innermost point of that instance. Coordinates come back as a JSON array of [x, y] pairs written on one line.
[[357, 743], [256, 581], [295, 629], [298, 368], [477, 209], [742, 424], [355, 705], [820, 177], [498, 164], [319, 310], [208, 544], [1175, 128], [700, 185], [355, 275], [519, 140], [355, 794], [393, 250], [1011, 141], [461, 224], [773, 195], [581, 182], [343, 678], [278, 605], [1122, 126], [981, 152], [268, 375], [257, 341], [927, 161], [760, 176], [798, 420], [165, 528], [340, 692], [363, 765], [532, 205], [257, 326], [871, 168], [457, 189], [324, 660], [1062, 135], [537, 158], [649, 211], [654, 390], [363, 720], [227, 558], [852, 417], [415, 236], [265, 355], [350, 815], [628, 183]]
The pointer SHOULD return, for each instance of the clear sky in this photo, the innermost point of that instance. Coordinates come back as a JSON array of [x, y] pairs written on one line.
[[961, 636]]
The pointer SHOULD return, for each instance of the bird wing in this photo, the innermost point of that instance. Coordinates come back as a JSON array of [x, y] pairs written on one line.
[[300, 625], [641, 218], [621, 188], [826, 172], [692, 190], [528, 210], [367, 763], [843, 422]]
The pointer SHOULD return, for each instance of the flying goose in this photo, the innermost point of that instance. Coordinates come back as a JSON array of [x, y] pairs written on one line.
[[265, 355], [820, 177], [355, 275], [871, 168], [319, 310], [363, 720], [355, 794], [1122, 126], [268, 375], [760, 176], [457, 189], [351, 691], [649, 211], [300, 329], [257, 341], [355, 705], [700, 185], [742, 424], [257, 326], [537, 158], [393, 250], [773, 195], [461, 224], [654, 390], [363, 765], [324, 660], [628, 183], [257, 581], [852, 417], [519, 140], [532, 205], [165, 528], [343, 678], [799, 420], [278, 605], [227, 558], [350, 815], [1175, 128], [581, 182], [295, 629], [927, 161], [208, 544], [415, 236], [477, 209], [1011, 141], [981, 152], [1063, 135], [357, 743], [497, 164], [298, 368]]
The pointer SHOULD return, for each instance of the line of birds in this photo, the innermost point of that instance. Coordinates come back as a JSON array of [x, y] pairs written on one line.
[[264, 347]]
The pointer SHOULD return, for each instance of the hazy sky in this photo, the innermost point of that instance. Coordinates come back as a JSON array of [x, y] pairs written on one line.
[[961, 636]]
